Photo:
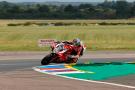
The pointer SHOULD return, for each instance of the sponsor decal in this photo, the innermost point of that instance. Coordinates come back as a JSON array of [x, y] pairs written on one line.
[[45, 42]]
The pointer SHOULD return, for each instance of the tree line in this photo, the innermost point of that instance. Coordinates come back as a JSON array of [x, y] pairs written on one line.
[[105, 10]]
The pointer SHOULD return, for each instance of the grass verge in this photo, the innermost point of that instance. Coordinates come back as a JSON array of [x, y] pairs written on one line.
[[25, 38]]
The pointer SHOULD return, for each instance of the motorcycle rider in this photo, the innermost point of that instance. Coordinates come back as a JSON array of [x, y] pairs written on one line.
[[77, 51]]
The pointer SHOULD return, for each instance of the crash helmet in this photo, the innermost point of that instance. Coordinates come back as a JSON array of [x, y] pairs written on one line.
[[77, 42]]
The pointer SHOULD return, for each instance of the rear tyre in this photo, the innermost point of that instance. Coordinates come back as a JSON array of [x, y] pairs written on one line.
[[46, 60]]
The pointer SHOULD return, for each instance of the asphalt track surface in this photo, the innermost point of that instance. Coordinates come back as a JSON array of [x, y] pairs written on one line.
[[16, 72]]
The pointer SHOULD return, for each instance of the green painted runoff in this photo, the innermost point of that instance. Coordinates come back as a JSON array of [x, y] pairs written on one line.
[[103, 71]]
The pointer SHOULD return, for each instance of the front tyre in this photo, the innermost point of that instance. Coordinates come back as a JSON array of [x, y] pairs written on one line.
[[46, 60]]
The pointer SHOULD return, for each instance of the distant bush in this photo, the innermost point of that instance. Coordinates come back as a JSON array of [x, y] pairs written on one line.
[[60, 24], [13, 24], [42, 24], [70, 24], [131, 23], [85, 24], [27, 24], [105, 23]]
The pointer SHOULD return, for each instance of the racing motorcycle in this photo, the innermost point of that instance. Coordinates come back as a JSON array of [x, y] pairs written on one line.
[[61, 52]]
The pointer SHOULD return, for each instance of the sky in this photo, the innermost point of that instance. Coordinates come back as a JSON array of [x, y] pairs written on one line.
[[57, 0]]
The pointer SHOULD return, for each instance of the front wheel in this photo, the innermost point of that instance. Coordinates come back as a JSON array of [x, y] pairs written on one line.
[[46, 60]]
